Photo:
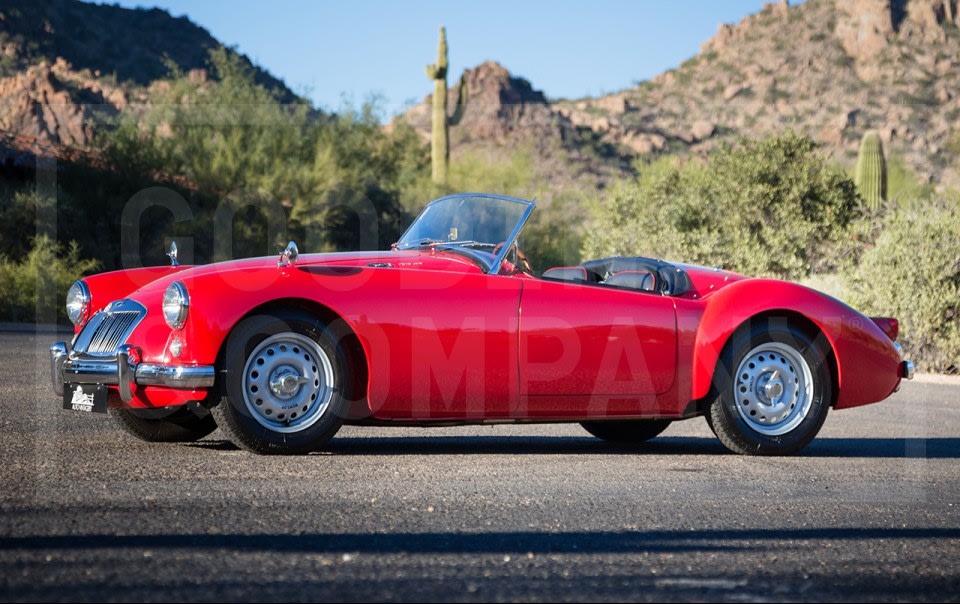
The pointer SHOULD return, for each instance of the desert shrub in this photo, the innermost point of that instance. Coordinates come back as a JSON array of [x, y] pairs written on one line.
[[903, 185], [769, 207], [34, 285], [230, 137], [912, 272]]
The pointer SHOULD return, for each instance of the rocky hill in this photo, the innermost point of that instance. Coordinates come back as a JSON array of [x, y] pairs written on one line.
[[505, 112], [62, 60], [830, 69]]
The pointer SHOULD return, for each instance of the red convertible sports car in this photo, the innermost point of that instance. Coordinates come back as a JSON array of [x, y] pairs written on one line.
[[452, 327]]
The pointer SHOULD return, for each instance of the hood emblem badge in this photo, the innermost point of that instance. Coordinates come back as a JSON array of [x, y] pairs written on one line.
[[172, 254], [288, 257]]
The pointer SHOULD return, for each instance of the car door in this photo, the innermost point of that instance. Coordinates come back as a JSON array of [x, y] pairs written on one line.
[[442, 345], [582, 340]]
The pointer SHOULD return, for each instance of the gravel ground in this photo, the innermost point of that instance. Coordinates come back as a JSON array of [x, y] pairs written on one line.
[[869, 511]]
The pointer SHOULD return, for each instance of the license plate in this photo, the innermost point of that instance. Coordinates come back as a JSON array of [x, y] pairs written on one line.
[[89, 398]]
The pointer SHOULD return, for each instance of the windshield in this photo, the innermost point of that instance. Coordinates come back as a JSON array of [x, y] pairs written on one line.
[[470, 221]]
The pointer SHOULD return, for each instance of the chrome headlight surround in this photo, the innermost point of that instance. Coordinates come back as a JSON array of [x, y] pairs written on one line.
[[176, 305], [78, 302]]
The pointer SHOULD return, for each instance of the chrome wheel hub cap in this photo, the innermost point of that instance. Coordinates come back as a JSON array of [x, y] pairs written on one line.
[[773, 388], [288, 382]]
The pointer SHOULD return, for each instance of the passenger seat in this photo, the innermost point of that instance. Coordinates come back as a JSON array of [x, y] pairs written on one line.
[[640, 280]]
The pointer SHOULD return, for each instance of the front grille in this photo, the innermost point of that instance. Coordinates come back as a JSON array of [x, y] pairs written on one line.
[[109, 328], [110, 332]]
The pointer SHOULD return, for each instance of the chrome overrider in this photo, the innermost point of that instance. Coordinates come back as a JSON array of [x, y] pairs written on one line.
[[123, 368]]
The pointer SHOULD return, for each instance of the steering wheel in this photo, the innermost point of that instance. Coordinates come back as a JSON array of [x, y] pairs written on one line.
[[521, 260]]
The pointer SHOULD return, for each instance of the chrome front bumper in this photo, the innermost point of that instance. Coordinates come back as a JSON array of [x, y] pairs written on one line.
[[124, 370]]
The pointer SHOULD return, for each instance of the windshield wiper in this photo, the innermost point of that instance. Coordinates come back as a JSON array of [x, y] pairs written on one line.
[[468, 244], [406, 245]]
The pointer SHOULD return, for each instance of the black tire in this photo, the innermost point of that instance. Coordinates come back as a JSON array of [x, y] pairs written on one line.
[[181, 425], [236, 418], [627, 431], [724, 416]]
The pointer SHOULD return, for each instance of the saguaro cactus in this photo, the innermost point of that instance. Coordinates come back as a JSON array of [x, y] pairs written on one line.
[[871, 172], [440, 139]]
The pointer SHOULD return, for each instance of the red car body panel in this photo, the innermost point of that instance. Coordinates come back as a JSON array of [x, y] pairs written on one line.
[[582, 340], [445, 342]]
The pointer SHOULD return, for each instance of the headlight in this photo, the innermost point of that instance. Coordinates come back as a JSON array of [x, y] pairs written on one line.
[[78, 302], [176, 305]]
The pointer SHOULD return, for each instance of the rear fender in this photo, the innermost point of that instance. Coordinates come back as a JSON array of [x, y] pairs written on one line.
[[867, 364]]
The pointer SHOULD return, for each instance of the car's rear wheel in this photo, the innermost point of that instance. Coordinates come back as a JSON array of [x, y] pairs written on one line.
[[628, 431], [285, 378], [774, 389], [165, 425]]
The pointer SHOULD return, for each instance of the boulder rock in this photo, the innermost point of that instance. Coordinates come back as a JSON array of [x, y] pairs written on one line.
[[702, 129], [864, 26], [644, 143]]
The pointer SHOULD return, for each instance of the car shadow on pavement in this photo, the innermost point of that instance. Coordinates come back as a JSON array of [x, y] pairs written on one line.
[[908, 448], [871, 448], [581, 542]]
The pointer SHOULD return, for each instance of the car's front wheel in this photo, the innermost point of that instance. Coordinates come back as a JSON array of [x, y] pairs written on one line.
[[774, 389], [285, 378]]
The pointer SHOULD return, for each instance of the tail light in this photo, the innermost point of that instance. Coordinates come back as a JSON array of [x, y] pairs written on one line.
[[888, 325]]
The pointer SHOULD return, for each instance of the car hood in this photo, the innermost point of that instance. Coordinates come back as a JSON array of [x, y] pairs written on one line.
[[406, 259]]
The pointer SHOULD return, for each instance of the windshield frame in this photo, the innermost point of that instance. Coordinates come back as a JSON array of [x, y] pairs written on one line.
[[486, 267]]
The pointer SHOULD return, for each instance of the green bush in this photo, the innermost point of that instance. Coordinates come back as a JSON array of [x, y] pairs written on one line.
[[912, 272], [903, 186], [34, 285], [230, 137], [768, 207]]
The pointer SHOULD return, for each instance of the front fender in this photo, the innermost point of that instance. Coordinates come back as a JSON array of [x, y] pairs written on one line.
[[114, 285], [868, 364], [219, 300]]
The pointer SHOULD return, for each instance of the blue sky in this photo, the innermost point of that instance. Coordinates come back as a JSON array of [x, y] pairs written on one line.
[[331, 51]]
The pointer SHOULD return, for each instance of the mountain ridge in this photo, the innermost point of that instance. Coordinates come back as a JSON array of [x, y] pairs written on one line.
[[829, 69]]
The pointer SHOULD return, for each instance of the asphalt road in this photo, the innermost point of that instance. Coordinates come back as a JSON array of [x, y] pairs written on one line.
[[869, 511]]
